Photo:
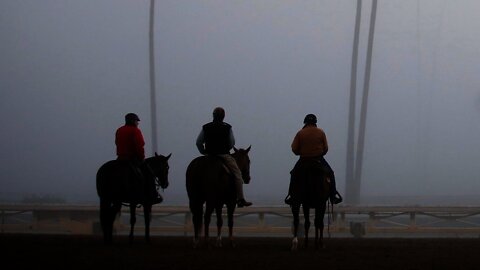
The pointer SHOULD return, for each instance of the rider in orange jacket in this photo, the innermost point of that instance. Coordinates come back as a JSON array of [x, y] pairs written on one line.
[[311, 143]]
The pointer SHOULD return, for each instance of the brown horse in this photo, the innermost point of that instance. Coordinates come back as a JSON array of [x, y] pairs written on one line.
[[209, 182], [310, 189], [118, 183]]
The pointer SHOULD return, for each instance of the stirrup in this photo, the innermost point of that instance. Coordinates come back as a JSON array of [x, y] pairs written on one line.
[[288, 200]]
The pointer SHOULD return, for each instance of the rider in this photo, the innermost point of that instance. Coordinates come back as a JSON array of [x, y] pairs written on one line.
[[130, 148], [216, 138], [311, 142]]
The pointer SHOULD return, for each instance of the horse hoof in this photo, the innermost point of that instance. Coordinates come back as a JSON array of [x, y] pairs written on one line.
[[195, 243], [218, 243], [294, 244]]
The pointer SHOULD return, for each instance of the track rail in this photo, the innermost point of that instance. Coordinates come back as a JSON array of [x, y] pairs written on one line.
[[261, 221]]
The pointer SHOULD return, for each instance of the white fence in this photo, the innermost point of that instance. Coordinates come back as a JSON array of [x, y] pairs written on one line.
[[257, 221]]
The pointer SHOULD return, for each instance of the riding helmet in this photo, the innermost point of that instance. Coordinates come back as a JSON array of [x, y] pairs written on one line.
[[310, 119], [130, 118]]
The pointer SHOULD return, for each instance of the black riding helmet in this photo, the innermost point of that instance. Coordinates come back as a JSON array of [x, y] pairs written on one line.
[[310, 119], [130, 118]]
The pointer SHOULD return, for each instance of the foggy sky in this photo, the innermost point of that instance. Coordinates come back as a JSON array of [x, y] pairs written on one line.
[[70, 71]]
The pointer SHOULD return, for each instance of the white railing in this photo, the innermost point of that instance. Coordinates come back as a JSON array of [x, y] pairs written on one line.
[[258, 221]]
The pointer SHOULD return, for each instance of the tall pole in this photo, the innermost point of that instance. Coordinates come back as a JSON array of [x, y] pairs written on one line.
[[363, 109], [153, 102], [352, 195]]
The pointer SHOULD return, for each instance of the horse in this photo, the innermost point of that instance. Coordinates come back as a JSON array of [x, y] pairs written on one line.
[[310, 189], [209, 182], [118, 182]]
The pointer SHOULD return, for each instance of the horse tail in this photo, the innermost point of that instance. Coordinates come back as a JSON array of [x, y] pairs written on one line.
[[192, 181], [309, 187], [101, 180], [205, 180]]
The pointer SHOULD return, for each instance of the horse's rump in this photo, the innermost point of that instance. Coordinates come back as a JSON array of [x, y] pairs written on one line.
[[120, 181], [207, 180], [309, 185]]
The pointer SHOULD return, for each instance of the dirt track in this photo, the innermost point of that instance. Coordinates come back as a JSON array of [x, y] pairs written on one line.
[[74, 252]]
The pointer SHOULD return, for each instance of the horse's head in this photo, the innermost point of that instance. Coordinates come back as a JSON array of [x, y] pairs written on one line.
[[243, 162], [159, 166]]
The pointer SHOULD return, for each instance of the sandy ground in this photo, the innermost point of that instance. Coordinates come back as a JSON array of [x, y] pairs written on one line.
[[23, 251]]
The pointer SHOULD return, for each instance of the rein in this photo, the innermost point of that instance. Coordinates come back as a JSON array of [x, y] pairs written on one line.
[[329, 216]]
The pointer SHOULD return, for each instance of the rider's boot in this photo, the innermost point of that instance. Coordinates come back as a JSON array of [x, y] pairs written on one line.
[[335, 197], [243, 203], [288, 199]]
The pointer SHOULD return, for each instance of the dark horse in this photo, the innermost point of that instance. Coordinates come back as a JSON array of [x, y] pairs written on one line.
[[209, 182], [118, 183], [309, 189]]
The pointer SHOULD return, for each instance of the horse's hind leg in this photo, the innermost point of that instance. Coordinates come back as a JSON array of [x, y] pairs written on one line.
[[206, 219], [106, 220], [230, 210], [147, 213], [306, 214], [296, 222], [197, 214], [218, 211], [109, 217], [133, 220], [319, 215]]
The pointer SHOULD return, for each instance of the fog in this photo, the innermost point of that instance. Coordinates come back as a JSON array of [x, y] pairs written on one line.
[[70, 71]]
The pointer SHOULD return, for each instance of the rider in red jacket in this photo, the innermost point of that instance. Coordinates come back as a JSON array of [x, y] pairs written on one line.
[[130, 148], [129, 140]]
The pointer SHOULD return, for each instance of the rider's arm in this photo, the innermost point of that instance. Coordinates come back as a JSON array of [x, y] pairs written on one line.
[[231, 139], [296, 145], [325, 143], [200, 142], [139, 144]]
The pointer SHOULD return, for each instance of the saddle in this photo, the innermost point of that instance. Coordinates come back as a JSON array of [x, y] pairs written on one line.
[[140, 184], [222, 162], [304, 167], [306, 185]]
